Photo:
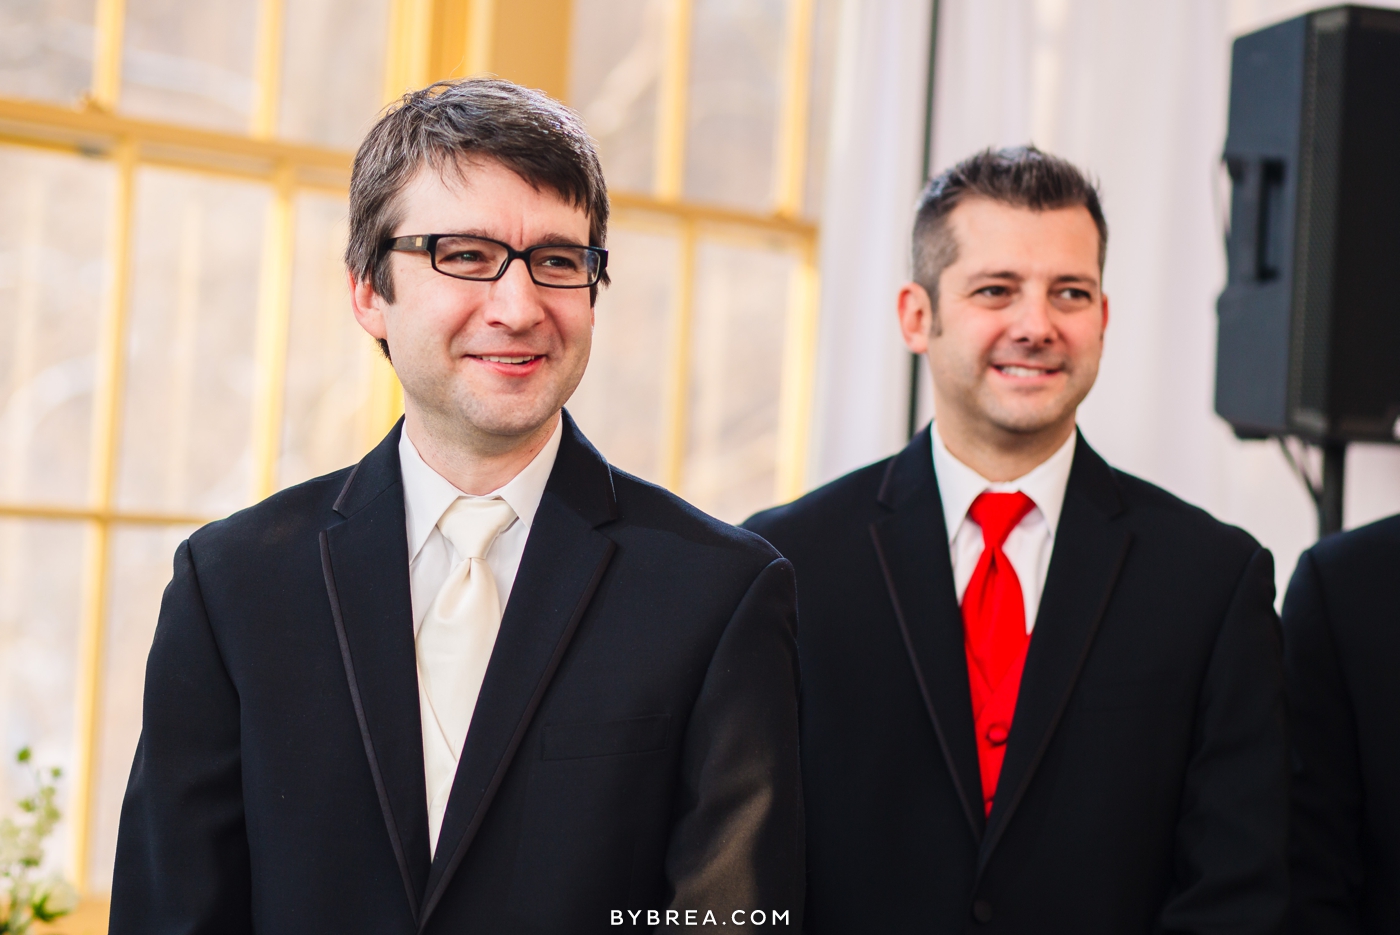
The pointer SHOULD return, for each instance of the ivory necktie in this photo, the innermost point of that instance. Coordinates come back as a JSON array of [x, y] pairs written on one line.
[[455, 643], [994, 628]]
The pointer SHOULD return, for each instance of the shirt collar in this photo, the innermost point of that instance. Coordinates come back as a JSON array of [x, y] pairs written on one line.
[[427, 494], [959, 485]]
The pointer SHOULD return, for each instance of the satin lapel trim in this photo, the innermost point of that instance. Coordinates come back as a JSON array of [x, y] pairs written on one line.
[[1090, 549], [365, 563], [564, 561], [913, 552]]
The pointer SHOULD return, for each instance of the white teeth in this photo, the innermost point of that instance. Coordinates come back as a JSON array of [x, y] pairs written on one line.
[[1012, 371], [508, 360]]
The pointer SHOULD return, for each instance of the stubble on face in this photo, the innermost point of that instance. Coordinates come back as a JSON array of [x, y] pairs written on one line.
[[1014, 347]]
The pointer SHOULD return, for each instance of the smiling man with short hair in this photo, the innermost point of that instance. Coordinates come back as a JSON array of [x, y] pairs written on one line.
[[481, 681], [1039, 694]]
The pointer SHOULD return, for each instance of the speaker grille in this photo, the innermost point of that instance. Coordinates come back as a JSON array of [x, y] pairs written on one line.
[[1318, 173]]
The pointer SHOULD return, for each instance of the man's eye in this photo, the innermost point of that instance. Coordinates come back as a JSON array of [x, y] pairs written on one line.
[[465, 256], [558, 262], [1075, 295], [993, 291]]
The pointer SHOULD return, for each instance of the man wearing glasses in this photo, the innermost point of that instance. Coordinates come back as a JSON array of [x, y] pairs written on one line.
[[480, 681]]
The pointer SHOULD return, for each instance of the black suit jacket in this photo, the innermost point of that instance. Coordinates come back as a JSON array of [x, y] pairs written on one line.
[[1341, 632], [634, 745], [1145, 782]]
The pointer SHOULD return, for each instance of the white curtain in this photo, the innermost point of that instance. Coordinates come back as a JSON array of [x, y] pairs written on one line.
[[1136, 93], [874, 157]]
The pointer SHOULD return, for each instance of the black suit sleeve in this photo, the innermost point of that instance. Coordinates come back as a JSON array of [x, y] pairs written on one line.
[[182, 860], [737, 842], [1231, 840], [1325, 850]]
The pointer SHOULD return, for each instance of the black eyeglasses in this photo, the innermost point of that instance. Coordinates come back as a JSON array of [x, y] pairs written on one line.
[[480, 259]]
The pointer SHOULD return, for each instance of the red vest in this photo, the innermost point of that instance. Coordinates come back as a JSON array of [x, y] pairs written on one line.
[[991, 716]]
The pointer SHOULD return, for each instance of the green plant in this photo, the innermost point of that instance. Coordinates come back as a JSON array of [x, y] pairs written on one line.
[[24, 899]]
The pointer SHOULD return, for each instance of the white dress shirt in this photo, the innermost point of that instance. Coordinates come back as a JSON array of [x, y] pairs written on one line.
[[427, 495], [1029, 545]]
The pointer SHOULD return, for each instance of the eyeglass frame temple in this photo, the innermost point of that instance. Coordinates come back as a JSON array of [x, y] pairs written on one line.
[[427, 243]]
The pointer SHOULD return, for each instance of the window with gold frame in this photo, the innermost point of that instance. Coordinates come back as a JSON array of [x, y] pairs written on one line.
[[178, 342]]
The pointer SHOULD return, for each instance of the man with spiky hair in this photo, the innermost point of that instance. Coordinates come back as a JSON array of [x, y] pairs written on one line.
[[1039, 694], [481, 681]]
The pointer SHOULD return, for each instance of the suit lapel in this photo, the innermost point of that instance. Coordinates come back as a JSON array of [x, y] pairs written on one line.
[[564, 561], [1090, 546], [364, 559], [912, 545]]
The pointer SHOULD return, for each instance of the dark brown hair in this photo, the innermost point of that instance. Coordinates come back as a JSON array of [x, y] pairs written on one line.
[[448, 124], [1021, 176]]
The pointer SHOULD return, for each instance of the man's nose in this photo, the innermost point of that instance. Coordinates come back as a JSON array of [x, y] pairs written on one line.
[[515, 300], [1033, 323]]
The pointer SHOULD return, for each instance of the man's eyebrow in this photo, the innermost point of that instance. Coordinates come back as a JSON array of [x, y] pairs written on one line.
[[997, 274], [1068, 278], [566, 239]]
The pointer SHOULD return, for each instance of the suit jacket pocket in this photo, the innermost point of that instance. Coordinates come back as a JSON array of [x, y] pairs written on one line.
[[609, 738]]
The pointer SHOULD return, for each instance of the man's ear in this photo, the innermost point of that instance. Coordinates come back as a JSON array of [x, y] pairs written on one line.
[[368, 306], [915, 316], [1104, 326]]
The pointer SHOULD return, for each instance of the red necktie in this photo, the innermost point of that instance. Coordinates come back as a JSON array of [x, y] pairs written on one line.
[[994, 628]]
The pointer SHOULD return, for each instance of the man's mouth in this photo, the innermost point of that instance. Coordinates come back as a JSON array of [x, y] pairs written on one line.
[[505, 359], [1016, 370]]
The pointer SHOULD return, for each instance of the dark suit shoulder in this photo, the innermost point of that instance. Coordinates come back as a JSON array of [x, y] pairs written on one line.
[[850, 497], [647, 505], [1159, 513], [285, 517], [1344, 550]]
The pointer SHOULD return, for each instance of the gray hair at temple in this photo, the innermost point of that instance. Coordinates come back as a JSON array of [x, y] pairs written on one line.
[[448, 124], [1020, 176]]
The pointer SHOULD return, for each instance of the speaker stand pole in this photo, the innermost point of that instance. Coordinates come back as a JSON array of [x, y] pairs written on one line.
[[1329, 501]]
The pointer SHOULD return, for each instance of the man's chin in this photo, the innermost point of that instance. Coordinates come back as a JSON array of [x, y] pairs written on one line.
[[502, 424], [1031, 423]]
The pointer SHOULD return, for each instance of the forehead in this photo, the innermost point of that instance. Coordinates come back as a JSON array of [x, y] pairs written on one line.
[[1008, 237], [486, 196]]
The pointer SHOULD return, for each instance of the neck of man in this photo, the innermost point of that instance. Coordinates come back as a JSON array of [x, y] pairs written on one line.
[[475, 463], [998, 454]]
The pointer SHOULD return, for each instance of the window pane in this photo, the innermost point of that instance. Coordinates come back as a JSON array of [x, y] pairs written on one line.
[[615, 60], [741, 302], [52, 265], [185, 423], [190, 61], [46, 48], [329, 358], [40, 588], [138, 571], [821, 90], [332, 69], [735, 75], [620, 401]]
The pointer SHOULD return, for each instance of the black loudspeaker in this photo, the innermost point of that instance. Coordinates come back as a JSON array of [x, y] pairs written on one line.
[[1309, 340]]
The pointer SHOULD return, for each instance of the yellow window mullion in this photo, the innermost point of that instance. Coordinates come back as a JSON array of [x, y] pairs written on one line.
[[267, 69], [676, 408], [271, 334], [799, 367], [672, 95], [104, 446], [789, 172], [108, 19]]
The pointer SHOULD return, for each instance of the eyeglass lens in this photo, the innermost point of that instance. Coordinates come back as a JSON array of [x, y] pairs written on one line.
[[474, 258]]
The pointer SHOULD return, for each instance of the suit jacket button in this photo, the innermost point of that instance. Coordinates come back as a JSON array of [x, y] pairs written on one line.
[[982, 911]]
